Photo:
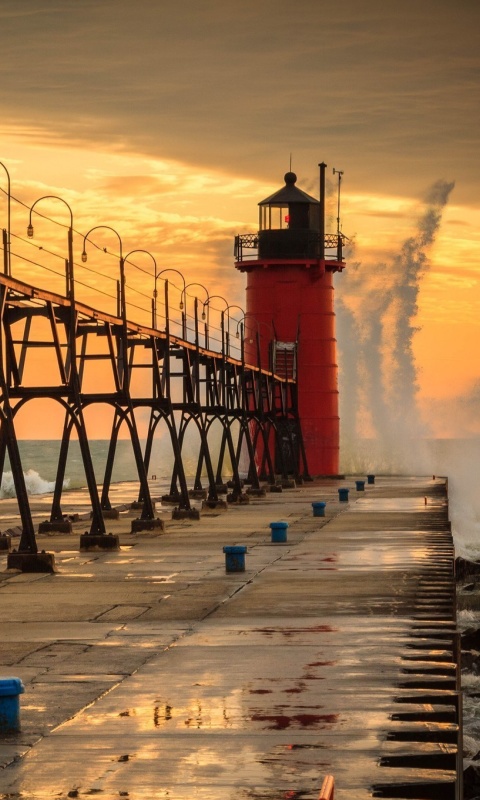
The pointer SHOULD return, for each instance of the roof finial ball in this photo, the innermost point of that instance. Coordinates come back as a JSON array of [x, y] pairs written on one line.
[[290, 178]]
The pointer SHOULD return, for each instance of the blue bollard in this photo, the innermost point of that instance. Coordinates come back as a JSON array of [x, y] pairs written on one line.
[[279, 531], [343, 495], [360, 486], [10, 689], [235, 557], [370, 479], [318, 509]]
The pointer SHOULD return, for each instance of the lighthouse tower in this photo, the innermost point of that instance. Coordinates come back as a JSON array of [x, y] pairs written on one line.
[[290, 319]]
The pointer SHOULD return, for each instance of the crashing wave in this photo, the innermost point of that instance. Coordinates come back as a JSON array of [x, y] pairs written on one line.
[[34, 483]]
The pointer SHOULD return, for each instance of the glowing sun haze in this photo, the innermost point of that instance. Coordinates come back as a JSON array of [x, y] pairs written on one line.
[[171, 121]]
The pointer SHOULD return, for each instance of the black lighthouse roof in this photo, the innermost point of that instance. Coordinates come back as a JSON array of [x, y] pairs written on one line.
[[289, 194]]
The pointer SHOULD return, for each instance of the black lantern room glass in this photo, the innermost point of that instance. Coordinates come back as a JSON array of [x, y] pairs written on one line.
[[289, 223]]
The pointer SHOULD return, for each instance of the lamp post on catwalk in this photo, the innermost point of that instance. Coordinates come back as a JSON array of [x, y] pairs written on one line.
[[290, 263]]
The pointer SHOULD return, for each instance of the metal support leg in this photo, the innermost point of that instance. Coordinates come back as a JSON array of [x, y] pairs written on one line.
[[107, 479]]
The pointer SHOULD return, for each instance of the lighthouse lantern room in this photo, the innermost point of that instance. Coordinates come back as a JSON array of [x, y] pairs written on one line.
[[290, 318]]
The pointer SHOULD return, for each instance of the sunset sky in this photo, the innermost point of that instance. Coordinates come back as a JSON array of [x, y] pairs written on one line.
[[171, 121]]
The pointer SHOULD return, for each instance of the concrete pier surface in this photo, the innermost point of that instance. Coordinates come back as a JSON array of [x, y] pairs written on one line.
[[151, 672]]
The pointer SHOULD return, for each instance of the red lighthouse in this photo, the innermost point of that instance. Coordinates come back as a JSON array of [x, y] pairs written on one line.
[[290, 263]]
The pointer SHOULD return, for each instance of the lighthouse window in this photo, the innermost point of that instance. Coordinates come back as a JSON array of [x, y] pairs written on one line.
[[279, 217], [265, 217], [274, 217]]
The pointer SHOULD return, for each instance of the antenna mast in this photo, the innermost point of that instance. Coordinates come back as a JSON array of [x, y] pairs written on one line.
[[338, 172], [321, 212]]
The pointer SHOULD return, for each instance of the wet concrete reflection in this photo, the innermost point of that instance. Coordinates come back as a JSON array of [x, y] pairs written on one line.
[[280, 722], [294, 631]]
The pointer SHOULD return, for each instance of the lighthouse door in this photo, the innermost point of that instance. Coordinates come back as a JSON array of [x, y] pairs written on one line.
[[285, 359]]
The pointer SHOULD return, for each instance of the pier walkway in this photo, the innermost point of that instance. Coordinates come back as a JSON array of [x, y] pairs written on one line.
[[151, 672]]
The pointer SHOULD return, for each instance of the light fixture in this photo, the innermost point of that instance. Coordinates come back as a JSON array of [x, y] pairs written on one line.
[[84, 256], [30, 231]]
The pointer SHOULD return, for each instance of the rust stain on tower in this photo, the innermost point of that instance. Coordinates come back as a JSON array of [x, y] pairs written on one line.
[[290, 318]]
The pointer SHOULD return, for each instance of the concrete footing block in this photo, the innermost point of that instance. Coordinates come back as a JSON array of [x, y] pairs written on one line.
[[31, 562], [170, 498], [139, 525], [5, 542], [197, 494], [137, 505], [55, 527], [288, 484], [239, 499], [276, 487], [260, 492], [99, 541], [186, 513], [214, 505], [108, 513]]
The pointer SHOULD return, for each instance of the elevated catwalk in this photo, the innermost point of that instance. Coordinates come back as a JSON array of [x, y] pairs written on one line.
[[53, 348]]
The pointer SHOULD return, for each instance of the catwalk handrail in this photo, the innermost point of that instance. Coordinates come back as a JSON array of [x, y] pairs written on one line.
[[34, 293]]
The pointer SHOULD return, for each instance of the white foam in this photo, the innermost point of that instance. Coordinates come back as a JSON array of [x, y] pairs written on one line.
[[34, 484], [470, 681], [471, 746]]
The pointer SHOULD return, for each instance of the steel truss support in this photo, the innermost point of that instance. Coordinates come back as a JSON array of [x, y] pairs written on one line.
[[204, 457], [128, 417], [238, 412], [180, 489]]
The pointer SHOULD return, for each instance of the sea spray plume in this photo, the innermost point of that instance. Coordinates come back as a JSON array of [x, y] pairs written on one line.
[[377, 310], [34, 484], [361, 332], [408, 267], [351, 399], [349, 373], [362, 395], [466, 409], [459, 416]]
